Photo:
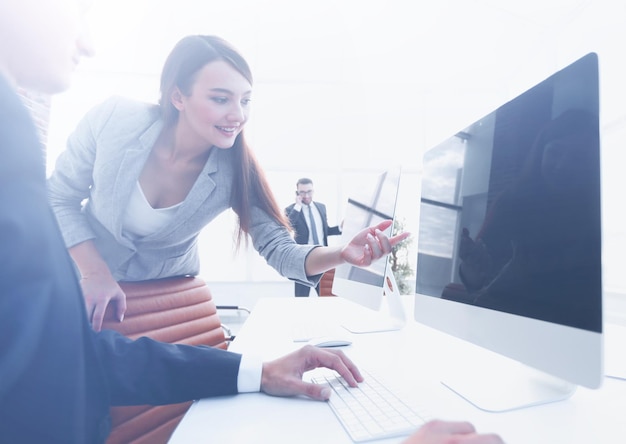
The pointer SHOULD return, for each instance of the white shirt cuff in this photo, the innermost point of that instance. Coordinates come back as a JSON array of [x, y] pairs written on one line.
[[249, 377], [297, 207]]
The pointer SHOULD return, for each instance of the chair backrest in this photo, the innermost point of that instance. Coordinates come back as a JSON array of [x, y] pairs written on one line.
[[176, 310], [326, 283]]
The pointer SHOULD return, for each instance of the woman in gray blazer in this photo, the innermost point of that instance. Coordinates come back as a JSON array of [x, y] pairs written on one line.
[[138, 182]]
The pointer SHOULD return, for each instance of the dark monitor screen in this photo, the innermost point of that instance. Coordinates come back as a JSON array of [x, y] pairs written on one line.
[[510, 215]]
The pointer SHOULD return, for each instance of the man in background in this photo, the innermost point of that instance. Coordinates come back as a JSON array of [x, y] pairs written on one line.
[[310, 223]]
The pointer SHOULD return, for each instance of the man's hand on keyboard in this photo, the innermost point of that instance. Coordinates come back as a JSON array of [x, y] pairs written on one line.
[[444, 432], [283, 376]]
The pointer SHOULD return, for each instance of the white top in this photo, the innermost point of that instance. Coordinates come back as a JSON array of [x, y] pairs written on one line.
[[140, 219]]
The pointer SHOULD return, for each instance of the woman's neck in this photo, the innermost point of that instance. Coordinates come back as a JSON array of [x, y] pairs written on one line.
[[175, 144]]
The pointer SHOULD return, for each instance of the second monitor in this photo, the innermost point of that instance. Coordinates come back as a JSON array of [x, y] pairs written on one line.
[[371, 202]]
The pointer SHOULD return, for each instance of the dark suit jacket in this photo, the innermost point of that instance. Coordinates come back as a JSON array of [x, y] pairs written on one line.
[[57, 376], [298, 223]]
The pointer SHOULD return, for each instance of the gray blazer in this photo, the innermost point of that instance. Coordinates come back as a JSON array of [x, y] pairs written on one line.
[[103, 160]]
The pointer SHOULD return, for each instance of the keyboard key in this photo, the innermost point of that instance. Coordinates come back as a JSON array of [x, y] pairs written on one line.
[[371, 410]]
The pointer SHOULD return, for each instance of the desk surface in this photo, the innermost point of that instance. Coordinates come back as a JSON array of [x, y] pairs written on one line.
[[414, 359]]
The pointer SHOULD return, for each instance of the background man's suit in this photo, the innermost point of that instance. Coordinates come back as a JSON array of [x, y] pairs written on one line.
[[299, 224]]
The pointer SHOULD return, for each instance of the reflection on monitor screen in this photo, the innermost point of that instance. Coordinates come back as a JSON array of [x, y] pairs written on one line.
[[509, 247], [372, 202]]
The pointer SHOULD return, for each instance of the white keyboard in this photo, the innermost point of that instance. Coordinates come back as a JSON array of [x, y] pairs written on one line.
[[370, 411]]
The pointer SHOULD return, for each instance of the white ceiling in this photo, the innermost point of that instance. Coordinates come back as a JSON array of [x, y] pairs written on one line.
[[440, 51]]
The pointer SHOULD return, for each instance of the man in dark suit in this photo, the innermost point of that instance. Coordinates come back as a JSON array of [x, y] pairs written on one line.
[[58, 378], [309, 222]]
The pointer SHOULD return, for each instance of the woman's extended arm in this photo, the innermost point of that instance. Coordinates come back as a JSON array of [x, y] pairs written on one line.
[[367, 246]]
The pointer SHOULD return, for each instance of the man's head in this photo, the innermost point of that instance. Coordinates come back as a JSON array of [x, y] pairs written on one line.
[[304, 189], [42, 41]]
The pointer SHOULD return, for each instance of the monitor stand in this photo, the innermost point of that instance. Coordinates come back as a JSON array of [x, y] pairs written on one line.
[[370, 321], [494, 383]]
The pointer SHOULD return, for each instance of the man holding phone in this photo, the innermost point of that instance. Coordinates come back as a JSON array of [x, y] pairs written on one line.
[[310, 223]]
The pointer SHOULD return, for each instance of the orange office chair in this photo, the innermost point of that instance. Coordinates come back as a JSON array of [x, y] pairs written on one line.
[[176, 310], [326, 283]]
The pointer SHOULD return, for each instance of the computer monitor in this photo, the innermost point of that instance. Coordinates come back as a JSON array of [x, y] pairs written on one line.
[[509, 243], [370, 202]]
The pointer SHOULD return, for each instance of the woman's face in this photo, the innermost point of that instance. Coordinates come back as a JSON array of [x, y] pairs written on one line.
[[218, 105]]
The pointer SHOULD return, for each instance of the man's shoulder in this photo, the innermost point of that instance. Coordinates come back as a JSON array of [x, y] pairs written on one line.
[[293, 213]]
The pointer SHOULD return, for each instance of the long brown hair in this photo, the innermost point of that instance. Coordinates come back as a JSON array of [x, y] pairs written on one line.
[[250, 185]]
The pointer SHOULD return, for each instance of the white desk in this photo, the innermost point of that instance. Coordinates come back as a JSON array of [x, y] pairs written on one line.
[[413, 357]]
